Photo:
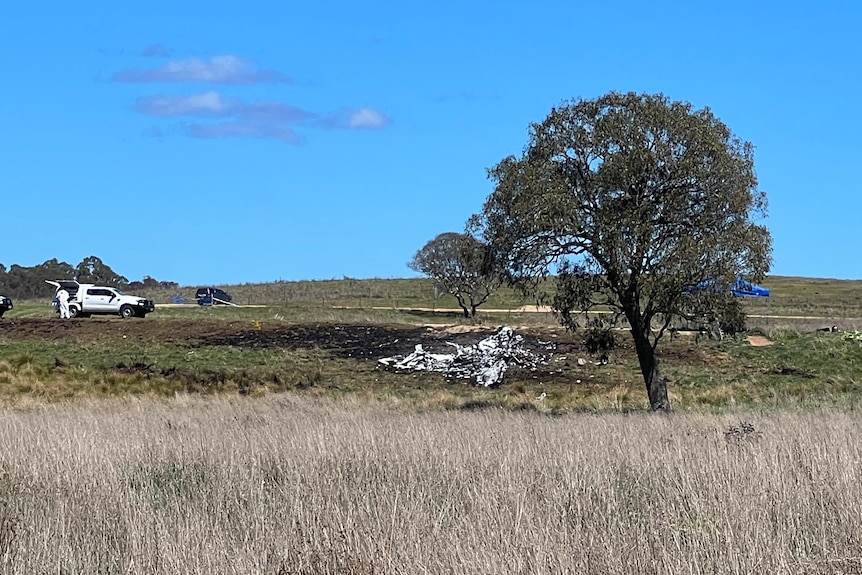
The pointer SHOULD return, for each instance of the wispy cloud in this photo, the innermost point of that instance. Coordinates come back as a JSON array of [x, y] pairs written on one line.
[[208, 103], [356, 119], [156, 51], [367, 119], [235, 118], [225, 69], [210, 114], [274, 113]]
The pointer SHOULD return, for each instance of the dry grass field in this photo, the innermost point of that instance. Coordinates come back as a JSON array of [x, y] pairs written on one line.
[[267, 440], [295, 485]]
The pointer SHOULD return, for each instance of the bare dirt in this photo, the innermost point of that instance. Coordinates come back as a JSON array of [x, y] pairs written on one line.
[[759, 341]]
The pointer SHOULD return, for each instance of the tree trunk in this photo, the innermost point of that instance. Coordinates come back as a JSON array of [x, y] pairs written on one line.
[[655, 384], [463, 305]]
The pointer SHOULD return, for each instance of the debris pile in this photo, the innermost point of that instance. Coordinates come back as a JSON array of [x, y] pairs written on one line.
[[486, 361]]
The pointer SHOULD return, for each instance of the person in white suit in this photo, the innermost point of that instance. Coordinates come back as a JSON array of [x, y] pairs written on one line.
[[63, 303]]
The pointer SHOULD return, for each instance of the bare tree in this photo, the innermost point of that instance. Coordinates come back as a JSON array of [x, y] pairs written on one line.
[[633, 200], [460, 265]]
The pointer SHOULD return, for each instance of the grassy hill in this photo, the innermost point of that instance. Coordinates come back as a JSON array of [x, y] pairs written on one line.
[[790, 295]]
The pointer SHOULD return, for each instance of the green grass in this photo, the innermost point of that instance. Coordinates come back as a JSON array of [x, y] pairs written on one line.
[[364, 293], [799, 369], [793, 296], [790, 296]]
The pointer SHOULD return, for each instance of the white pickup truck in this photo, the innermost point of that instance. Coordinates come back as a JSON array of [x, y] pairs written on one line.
[[90, 299]]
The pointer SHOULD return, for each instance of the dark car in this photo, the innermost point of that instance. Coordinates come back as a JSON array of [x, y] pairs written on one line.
[[212, 296], [5, 305]]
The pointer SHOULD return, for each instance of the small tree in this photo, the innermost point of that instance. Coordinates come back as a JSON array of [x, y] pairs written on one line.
[[635, 200], [460, 264]]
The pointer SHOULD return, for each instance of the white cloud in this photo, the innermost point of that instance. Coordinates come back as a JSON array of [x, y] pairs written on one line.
[[226, 69], [355, 119], [207, 103], [274, 113], [237, 118], [266, 120], [366, 118]]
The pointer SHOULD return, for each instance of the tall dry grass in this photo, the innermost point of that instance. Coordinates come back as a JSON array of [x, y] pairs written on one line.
[[285, 485]]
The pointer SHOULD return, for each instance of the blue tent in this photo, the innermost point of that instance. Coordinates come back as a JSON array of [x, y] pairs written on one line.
[[744, 288], [741, 288]]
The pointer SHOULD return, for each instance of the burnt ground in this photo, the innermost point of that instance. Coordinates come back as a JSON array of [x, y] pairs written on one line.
[[340, 340], [570, 374], [361, 341], [365, 343]]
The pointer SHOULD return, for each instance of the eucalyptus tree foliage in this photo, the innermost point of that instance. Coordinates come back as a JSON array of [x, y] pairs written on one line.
[[460, 264], [93, 270], [635, 202]]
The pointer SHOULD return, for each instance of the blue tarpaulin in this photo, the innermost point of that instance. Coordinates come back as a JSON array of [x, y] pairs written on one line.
[[741, 288], [744, 288]]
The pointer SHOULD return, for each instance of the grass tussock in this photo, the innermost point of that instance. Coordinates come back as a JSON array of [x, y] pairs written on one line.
[[289, 484]]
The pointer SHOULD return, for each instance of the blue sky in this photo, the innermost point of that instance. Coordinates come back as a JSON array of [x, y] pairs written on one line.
[[223, 143]]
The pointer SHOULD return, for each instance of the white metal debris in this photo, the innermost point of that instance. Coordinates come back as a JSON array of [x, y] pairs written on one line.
[[486, 361]]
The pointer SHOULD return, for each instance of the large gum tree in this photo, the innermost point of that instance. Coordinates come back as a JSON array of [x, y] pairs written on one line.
[[639, 205]]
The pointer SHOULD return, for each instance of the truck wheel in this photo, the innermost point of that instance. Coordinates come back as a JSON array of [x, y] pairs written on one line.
[[74, 311], [127, 311]]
